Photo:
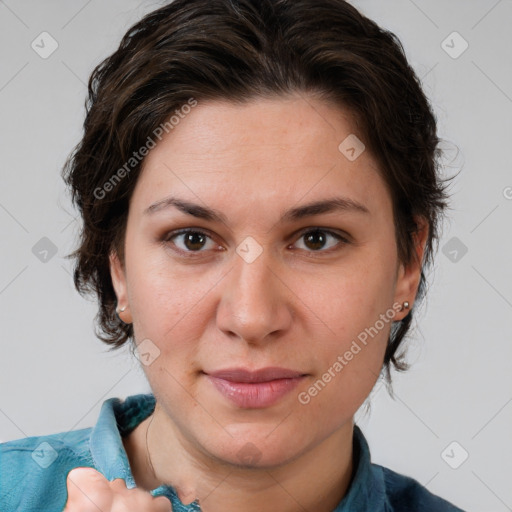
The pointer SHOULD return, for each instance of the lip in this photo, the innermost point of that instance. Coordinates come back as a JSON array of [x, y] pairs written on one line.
[[254, 376], [255, 389]]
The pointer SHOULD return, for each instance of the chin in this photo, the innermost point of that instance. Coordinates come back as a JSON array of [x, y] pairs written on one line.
[[256, 449]]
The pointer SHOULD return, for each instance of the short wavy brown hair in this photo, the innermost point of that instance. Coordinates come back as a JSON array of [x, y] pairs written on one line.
[[239, 50]]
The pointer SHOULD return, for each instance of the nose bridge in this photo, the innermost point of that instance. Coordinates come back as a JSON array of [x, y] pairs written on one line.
[[256, 281], [253, 304]]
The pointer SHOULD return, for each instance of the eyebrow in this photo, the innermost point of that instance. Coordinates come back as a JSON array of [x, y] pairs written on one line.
[[308, 210]]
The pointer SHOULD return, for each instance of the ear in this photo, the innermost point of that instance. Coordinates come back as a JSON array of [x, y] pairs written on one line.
[[408, 278], [118, 275]]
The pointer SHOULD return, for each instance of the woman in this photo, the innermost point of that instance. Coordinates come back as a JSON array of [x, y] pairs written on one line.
[[259, 193]]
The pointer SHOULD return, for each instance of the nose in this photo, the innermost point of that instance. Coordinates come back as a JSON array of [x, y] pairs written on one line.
[[255, 305]]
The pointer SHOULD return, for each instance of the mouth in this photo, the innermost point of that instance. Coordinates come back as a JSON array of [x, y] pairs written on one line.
[[254, 389]]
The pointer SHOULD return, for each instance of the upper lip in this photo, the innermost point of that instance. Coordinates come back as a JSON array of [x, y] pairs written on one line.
[[261, 375]]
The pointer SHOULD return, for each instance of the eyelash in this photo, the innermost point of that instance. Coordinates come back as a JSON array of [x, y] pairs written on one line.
[[342, 241]]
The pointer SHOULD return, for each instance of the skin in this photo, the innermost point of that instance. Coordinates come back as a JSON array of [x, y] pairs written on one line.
[[298, 305], [89, 490]]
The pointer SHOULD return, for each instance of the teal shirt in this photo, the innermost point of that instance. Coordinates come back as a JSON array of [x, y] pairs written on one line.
[[33, 470]]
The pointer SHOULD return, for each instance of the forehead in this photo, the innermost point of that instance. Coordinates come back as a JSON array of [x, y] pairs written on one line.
[[273, 150], [296, 125]]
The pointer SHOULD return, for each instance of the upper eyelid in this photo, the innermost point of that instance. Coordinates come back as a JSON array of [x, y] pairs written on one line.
[[298, 233]]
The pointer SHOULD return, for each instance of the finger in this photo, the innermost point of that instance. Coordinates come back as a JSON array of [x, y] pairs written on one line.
[[162, 504], [88, 490], [137, 500], [86, 475], [118, 484]]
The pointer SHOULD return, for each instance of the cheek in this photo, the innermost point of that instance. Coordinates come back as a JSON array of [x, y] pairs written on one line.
[[161, 291], [166, 305], [343, 383], [348, 366], [356, 307], [353, 296]]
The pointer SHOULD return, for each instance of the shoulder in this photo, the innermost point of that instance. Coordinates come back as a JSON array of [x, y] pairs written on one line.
[[405, 494], [33, 470]]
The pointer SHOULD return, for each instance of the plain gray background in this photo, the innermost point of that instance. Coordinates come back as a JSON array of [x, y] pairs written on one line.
[[54, 374]]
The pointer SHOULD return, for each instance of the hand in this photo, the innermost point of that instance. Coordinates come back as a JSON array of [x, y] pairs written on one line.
[[90, 491]]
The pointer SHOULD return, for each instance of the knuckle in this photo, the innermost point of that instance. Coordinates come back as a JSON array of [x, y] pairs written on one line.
[[81, 474], [162, 504], [118, 483], [88, 490], [137, 499]]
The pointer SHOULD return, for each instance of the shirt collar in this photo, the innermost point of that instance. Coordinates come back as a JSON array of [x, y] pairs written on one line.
[[367, 488], [117, 418]]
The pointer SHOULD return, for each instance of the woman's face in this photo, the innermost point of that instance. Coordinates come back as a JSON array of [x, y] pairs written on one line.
[[264, 279]]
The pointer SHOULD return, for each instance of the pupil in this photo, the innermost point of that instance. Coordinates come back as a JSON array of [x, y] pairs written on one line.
[[315, 239], [191, 240]]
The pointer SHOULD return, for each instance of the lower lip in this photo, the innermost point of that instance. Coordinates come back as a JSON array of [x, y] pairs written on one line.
[[255, 395]]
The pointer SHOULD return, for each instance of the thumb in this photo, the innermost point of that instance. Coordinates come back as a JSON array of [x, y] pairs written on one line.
[[87, 486], [162, 504]]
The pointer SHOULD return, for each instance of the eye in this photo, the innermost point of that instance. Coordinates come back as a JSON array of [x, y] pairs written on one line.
[[317, 240], [191, 240], [196, 241]]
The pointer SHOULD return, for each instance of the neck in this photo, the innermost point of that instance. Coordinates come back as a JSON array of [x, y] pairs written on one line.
[[316, 480]]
